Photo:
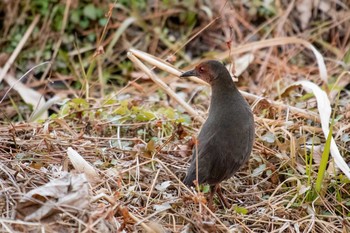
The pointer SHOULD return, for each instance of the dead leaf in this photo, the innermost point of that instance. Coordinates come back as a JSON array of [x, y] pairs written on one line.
[[242, 63], [29, 96], [163, 186], [67, 193], [162, 207]]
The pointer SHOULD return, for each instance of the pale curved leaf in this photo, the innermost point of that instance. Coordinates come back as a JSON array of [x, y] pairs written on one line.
[[324, 109]]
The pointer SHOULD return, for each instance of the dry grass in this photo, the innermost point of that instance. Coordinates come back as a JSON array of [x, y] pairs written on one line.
[[139, 140]]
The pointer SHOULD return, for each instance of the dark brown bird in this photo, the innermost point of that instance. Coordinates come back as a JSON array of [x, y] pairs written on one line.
[[226, 139]]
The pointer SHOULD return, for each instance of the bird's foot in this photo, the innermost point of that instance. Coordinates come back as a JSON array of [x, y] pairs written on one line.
[[223, 200], [217, 189]]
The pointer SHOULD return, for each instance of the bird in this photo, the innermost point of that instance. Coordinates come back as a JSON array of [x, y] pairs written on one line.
[[226, 138]]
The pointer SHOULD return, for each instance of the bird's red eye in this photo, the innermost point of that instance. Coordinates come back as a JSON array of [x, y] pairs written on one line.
[[201, 69]]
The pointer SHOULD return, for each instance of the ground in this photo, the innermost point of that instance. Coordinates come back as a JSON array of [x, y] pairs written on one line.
[[107, 147]]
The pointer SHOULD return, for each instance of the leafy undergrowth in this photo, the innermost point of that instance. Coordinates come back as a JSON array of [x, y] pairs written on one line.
[[138, 141]]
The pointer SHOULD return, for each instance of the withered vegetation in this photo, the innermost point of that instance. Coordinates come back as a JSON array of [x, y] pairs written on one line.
[[137, 140]]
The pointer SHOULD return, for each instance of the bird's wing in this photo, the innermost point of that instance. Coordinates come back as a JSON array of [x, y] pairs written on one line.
[[204, 163], [220, 155]]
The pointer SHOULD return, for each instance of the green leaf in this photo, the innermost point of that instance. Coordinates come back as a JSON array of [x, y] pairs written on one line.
[[347, 57], [102, 22], [123, 109], [142, 114], [75, 16], [53, 116], [206, 188], [80, 103], [324, 161], [90, 11], [240, 210], [84, 23], [169, 113]]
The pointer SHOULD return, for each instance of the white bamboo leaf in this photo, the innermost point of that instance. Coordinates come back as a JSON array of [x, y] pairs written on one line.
[[81, 165], [324, 109]]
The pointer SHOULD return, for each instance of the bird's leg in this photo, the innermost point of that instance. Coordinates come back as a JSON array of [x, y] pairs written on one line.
[[211, 196], [221, 197], [217, 189]]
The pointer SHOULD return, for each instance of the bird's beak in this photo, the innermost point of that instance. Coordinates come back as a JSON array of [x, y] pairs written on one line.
[[189, 73]]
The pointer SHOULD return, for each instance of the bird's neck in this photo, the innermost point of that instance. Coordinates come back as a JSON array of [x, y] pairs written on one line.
[[223, 97]]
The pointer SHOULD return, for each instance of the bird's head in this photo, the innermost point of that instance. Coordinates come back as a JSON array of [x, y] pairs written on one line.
[[209, 71]]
